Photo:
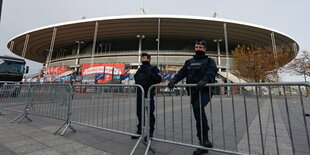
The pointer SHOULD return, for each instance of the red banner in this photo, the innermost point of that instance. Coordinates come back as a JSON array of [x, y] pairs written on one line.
[[106, 69], [54, 71]]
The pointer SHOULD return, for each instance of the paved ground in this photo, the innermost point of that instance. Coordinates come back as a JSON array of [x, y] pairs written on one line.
[[37, 137]]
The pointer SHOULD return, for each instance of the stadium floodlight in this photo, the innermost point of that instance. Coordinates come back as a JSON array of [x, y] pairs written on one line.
[[140, 36], [79, 42]]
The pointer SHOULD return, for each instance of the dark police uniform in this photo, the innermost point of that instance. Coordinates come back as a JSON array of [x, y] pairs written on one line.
[[146, 76], [199, 69]]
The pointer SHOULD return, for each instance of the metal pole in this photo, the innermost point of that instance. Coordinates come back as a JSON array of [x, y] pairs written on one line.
[[158, 41], [0, 8], [12, 46], [274, 50], [273, 121], [289, 120], [227, 56], [77, 54], [140, 46], [49, 55], [218, 53], [295, 48], [25, 46], [94, 43]]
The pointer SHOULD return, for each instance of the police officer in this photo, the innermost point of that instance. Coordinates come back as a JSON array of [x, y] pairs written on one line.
[[199, 70], [146, 76]]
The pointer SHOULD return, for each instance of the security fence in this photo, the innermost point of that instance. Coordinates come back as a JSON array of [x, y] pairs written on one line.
[[13, 97], [48, 100], [264, 118], [110, 107], [256, 118]]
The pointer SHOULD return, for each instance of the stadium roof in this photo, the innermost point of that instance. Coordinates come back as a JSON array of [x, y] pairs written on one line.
[[120, 27]]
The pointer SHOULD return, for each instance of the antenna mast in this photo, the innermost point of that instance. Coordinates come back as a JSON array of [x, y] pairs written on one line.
[[142, 11]]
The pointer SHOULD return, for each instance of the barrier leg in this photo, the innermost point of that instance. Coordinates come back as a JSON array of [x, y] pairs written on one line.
[[135, 147], [149, 148], [60, 127], [71, 127], [65, 130], [25, 116], [146, 135], [13, 120], [22, 117], [67, 126]]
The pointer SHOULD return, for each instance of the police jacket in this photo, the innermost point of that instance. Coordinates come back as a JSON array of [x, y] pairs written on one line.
[[146, 76], [200, 67]]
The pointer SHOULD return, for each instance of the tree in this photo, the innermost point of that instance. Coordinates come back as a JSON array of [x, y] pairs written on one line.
[[300, 65], [255, 63]]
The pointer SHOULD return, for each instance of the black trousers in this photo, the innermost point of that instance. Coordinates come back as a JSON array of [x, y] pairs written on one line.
[[140, 110], [199, 101]]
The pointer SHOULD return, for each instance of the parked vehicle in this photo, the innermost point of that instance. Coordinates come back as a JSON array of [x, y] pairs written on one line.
[[12, 71]]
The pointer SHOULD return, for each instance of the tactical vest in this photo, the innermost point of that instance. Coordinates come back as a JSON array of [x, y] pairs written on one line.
[[197, 70]]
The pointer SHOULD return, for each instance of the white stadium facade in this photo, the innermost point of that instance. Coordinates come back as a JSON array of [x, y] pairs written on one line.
[[119, 40]]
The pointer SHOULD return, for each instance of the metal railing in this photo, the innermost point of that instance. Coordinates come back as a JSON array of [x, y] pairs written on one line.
[[48, 100], [270, 119], [13, 97], [110, 107]]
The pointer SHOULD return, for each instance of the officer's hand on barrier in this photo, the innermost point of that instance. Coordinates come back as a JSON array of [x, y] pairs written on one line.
[[201, 84], [171, 84]]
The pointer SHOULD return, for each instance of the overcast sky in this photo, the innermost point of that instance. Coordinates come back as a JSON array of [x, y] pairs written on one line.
[[287, 16]]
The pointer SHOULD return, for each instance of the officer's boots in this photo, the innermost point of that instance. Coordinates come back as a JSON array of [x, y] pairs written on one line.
[[151, 136], [138, 132], [205, 143]]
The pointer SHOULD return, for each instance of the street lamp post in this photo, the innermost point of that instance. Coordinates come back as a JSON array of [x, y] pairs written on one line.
[[218, 53], [140, 36], [227, 56]]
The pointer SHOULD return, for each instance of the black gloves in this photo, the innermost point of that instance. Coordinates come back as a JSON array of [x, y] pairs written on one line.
[[171, 84], [201, 84]]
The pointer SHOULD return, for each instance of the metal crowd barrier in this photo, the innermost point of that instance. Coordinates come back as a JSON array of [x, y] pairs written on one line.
[[13, 97], [49, 100], [110, 107], [252, 118]]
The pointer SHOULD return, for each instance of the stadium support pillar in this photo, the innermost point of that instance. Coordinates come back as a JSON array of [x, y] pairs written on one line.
[[227, 56], [158, 41], [12, 45], [274, 50], [50, 51], [77, 59], [25, 46], [94, 43], [295, 48]]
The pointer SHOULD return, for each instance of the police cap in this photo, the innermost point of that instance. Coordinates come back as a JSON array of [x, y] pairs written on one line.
[[146, 54], [201, 42]]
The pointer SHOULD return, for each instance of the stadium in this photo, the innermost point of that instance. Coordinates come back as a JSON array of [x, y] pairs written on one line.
[[111, 45]]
